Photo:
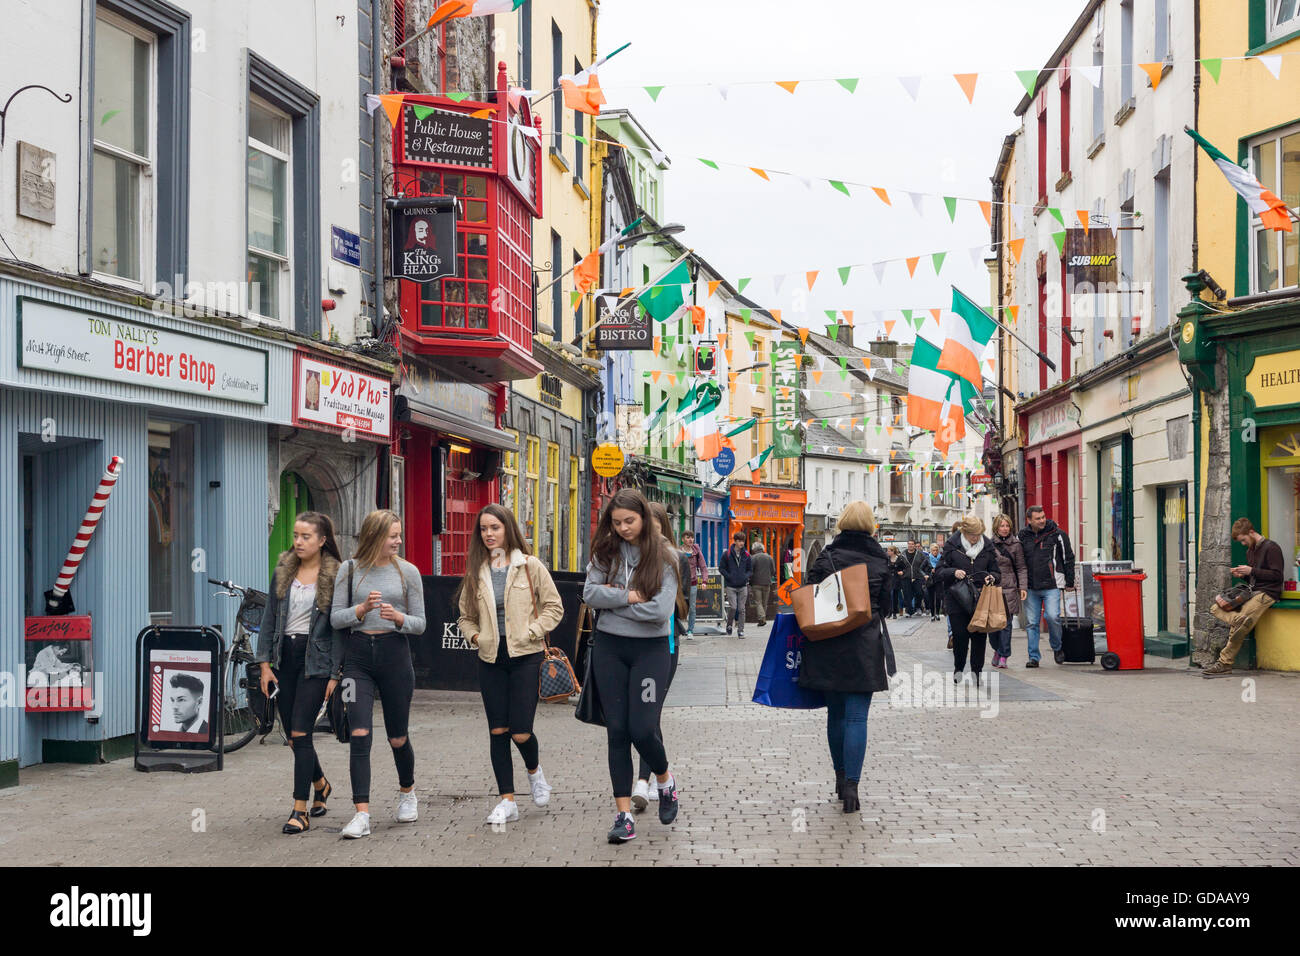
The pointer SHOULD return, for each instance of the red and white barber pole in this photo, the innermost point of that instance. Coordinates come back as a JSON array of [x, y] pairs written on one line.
[[58, 600]]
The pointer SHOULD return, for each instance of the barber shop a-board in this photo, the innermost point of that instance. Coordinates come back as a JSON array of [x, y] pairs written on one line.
[[60, 664]]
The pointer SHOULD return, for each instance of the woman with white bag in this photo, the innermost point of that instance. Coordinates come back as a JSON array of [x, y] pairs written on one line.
[[850, 667]]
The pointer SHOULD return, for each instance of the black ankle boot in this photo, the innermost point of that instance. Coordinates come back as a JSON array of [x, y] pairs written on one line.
[[839, 784], [850, 796]]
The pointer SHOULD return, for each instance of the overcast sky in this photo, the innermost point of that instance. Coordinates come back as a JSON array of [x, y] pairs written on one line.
[[940, 144]]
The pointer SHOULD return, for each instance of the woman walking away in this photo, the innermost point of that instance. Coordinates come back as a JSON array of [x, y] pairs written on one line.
[[852, 666], [301, 653], [508, 604], [1014, 581], [898, 577], [379, 600], [643, 789], [632, 583], [967, 556], [932, 580]]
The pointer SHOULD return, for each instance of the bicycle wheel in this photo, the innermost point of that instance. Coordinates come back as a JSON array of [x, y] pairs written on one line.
[[238, 724]]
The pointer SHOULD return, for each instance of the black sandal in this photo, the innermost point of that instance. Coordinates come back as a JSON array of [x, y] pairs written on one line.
[[321, 797], [297, 823]]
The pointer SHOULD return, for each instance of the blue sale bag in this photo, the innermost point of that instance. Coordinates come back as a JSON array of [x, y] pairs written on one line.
[[778, 677]]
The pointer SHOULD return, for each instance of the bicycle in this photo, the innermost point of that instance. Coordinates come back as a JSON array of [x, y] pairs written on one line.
[[239, 722]]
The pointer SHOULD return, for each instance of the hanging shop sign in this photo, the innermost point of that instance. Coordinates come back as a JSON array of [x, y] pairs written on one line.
[[422, 237], [624, 325], [607, 460], [55, 338], [1053, 422], [60, 666], [725, 462], [786, 439], [442, 138], [1275, 379], [1090, 257], [340, 398]]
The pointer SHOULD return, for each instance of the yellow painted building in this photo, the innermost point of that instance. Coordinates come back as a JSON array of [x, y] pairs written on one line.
[[1248, 431]]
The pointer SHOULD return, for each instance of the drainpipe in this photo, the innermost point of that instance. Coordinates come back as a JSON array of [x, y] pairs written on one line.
[[1195, 561], [377, 150]]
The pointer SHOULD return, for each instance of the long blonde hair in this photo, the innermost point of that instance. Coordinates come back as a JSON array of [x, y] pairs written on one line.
[[373, 536]]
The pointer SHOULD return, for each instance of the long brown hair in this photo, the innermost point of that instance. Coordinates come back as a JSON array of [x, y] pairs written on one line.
[[666, 529], [325, 528], [479, 554], [373, 536], [648, 577]]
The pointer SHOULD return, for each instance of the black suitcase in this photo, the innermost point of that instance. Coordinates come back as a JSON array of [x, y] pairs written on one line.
[[1076, 640]]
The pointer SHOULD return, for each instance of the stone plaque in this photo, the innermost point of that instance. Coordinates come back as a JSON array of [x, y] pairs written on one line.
[[35, 183]]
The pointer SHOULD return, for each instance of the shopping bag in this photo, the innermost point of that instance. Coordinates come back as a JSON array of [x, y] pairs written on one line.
[[778, 676], [835, 605], [990, 611]]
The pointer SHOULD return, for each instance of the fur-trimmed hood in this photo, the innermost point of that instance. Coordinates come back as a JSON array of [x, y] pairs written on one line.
[[286, 568]]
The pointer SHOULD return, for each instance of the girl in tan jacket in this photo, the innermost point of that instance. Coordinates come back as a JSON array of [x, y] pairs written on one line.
[[508, 603]]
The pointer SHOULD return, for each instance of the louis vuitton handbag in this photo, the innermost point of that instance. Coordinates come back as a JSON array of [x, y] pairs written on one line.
[[556, 680]]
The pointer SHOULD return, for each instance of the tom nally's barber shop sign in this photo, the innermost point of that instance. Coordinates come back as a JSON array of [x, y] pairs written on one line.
[[53, 338]]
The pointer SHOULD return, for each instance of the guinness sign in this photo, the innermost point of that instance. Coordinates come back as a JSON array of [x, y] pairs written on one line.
[[422, 237]]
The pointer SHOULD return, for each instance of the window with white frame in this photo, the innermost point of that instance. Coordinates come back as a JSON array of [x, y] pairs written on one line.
[[1274, 258], [124, 134], [269, 189], [1283, 18]]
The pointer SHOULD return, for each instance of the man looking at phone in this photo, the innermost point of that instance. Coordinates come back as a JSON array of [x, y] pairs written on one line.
[[1264, 571]]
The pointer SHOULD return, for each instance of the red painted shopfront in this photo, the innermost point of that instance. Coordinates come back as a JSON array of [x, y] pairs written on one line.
[[463, 336], [1052, 443]]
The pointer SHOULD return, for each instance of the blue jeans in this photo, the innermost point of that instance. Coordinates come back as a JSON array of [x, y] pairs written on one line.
[[846, 731], [690, 620], [1001, 642], [1034, 605]]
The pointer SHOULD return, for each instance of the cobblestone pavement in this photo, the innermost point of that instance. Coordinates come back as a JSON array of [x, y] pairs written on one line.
[[1078, 767]]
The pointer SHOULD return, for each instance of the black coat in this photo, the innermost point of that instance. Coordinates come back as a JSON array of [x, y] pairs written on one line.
[[954, 559], [859, 661], [1046, 552]]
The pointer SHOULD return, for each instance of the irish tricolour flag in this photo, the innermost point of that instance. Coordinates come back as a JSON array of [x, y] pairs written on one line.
[[472, 8], [945, 374], [1272, 211]]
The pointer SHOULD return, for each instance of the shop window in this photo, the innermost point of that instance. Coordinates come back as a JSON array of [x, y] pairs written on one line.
[[510, 477], [572, 513], [122, 161], [526, 45], [551, 545], [529, 504], [1115, 499], [1126, 65], [1275, 256], [460, 304], [269, 228], [1281, 500], [557, 102]]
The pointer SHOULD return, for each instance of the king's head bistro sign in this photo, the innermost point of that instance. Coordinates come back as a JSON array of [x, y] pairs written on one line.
[[422, 238]]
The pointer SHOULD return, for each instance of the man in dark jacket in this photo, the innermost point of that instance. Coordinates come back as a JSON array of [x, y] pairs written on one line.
[[737, 567], [1047, 554], [1264, 569], [761, 580], [920, 566]]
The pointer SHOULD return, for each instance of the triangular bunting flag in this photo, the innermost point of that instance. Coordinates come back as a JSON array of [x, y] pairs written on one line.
[[392, 105], [849, 84], [917, 202], [967, 83], [761, 174], [1017, 246], [1028, 79], [740, 287], [424, 112], [1057, 215], [951, 204], [713, 286], [1091, 73], [654, 92], [884, 196], [1013, 311], [844, 274], [938, 258], [1153, 72], [911, 265], [1059, 239], [836, 184], [986, 207], [787, 85], [1084, 216], [708, 162], [879, 269], [1213, 66], [1272, 63], [803, 336], [811, 277], [912, 84]]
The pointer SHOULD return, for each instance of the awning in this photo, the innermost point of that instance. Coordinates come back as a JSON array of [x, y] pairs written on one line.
[[692, 489], [669, 486], [454, 427]]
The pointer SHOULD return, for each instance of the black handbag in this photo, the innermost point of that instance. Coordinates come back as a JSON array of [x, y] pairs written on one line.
[[963, 595], [337, 710], [259, 705], [589, 709]]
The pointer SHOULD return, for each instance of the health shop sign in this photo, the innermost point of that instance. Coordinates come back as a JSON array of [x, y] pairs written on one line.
[[54, 338], [422, 237], [333, 397], [627, 328], [785, 400]]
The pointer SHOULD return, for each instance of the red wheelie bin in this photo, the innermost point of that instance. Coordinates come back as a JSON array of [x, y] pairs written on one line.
[[1121, 596]]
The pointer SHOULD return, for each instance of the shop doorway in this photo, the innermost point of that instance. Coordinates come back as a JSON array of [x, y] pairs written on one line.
[[465, 495], [295, 498], [171, 523], [1171, 560]]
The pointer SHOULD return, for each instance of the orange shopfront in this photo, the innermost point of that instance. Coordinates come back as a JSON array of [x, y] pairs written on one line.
[[773, 516]]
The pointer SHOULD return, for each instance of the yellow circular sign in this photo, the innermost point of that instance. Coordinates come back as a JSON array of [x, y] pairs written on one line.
[[1189, 332], [607, 460]]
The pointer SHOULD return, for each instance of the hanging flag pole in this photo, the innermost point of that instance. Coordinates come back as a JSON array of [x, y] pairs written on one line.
[[635, 295], [599, 63], [604, 247]]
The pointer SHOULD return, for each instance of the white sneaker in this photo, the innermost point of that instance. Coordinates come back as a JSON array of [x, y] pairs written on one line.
[[357, 827], [408, 807], [641, 795], [541, 789], [504, 812]]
